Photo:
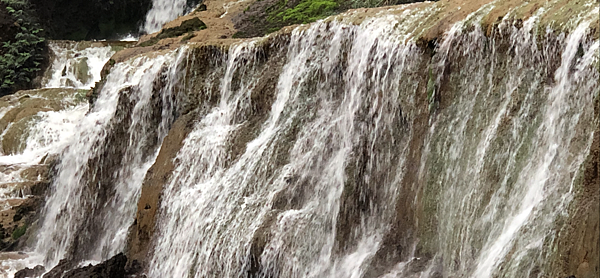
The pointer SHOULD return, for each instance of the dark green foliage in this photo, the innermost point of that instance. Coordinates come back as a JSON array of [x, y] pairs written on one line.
[[187, 37], [265, 17], [21, 53], [90, 19], [149, 42], [19, 232], [238, 35]]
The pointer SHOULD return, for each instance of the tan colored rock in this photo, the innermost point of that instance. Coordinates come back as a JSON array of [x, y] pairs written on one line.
[[22, 108], [15, 137], [142, 230], [35, 173], [15, 220], [578, 243]]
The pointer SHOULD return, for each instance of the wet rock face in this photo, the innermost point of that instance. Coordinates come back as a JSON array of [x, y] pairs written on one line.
[[24, 186], [188, 26], [203, 93], [96, 19], [578, 244], [19, 214], [102, 169], [18, 218], [142, 230]]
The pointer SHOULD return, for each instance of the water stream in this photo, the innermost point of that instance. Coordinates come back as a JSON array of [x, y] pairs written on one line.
[[99, 175], [163, 11], [76, 64]]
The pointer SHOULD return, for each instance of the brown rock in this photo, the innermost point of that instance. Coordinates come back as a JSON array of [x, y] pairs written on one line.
[[142, 231], [30, 272]]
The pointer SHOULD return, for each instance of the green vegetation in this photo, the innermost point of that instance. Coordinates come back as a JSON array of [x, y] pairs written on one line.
[[81, 95], [187, 37], [21, 54], [256, 20], [188, 26], [19, 232], [308, 11], [380, 3]]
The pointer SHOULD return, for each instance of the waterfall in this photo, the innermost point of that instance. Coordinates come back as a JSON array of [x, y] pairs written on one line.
[[76, 64], [99, 176], [214, 209], [163, 11], [366, 167], [104, 151], [350, 147]]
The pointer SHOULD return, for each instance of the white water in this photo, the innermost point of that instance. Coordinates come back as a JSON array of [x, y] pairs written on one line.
[[540, 175], [496, 170], [68, 209], [73, 134], [213, 209], [49, 135], [76, 65], [163, 11]]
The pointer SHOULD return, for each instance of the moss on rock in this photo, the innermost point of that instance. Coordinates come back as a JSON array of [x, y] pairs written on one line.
[[188, 26], [19, 232]]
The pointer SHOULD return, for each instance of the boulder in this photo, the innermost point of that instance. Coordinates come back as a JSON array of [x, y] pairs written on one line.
[[30, 272], [112, 268], [187, 26]]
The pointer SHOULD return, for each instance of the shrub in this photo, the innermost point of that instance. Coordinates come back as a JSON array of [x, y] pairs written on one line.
[[21, 55]]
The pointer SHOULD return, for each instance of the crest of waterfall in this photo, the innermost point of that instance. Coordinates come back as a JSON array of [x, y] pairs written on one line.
[[163, 11], [93, 197], [76, 64]]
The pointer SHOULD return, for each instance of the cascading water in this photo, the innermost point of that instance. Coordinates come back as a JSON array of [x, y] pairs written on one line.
[[163, 11], [228, 204], [320, 187], [129, 118], [76, 64], [100, 174], [28, 142], [343, 149]]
